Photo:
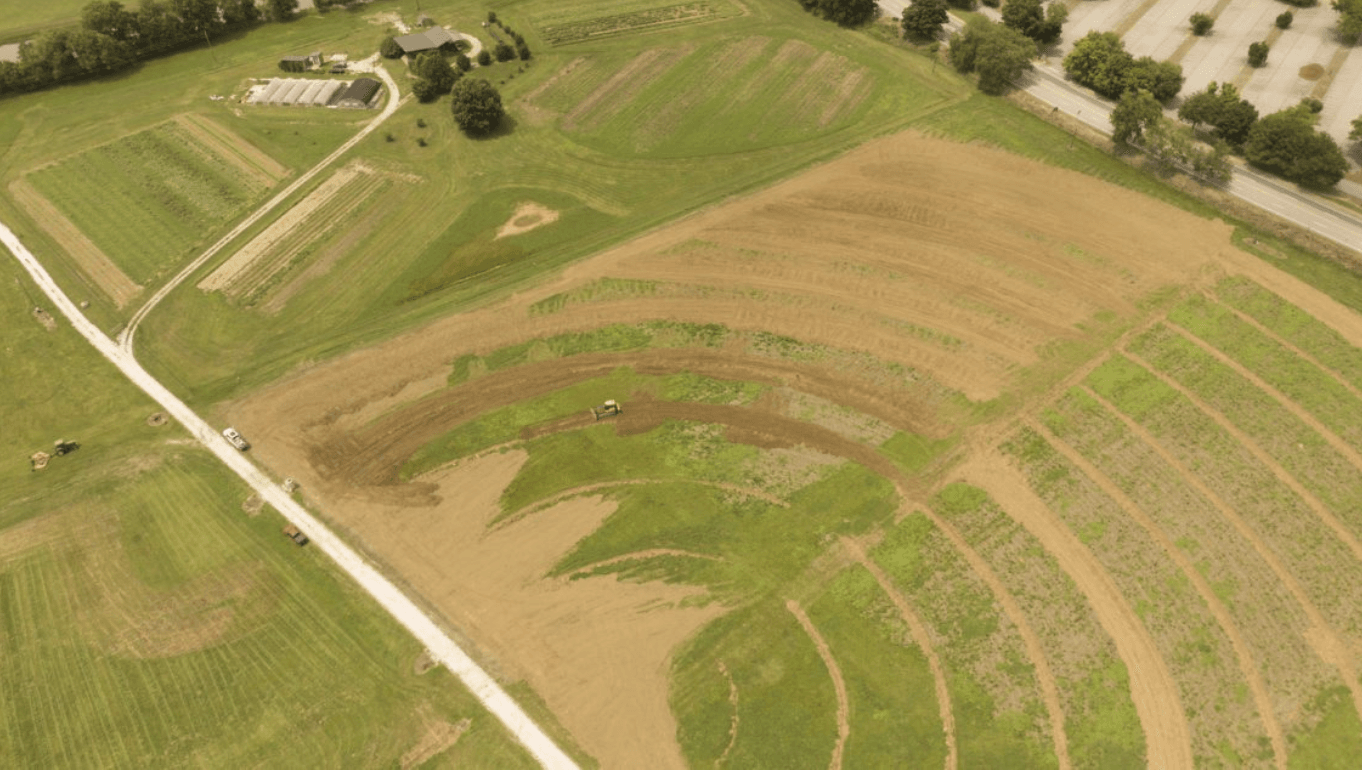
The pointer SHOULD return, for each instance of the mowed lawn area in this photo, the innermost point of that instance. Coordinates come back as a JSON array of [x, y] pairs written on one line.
[[616, 133], [149, 621]]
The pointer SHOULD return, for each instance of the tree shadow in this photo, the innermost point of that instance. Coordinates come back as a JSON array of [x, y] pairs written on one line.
[[505, 127]]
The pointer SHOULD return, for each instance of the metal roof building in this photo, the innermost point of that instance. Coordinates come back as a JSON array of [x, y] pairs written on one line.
[[430, 40], [361, 93]]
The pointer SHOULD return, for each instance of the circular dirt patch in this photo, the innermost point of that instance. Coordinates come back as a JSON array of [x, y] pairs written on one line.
[[527, 216], [1312, 71], [157, 419]]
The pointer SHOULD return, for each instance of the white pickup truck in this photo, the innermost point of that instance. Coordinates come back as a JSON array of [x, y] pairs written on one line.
[[235, 439]]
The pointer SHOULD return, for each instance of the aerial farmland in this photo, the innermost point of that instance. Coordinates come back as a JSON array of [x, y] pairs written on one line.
[[756, 393]]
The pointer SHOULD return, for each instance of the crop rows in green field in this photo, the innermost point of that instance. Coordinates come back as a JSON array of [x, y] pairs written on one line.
[[1315, 390], [1220, 714], [1000, 719], [1264, 613], [1294, 325], [1101, 726], [740, 92], [1297, 448], [1327, 572], [157, 626], [632, 18], [148, 198]]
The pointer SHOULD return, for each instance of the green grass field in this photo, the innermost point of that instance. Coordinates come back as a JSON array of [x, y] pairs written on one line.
[[25, 19], [149, 621]]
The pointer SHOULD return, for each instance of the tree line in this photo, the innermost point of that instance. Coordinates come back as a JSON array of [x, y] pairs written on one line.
[[111, 37], [1215, 123]]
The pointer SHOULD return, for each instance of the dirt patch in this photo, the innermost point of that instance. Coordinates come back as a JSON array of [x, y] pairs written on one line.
[[45, 318], [423, 663], [1312, 72], [596, 649], [92, 261], [252, 505], [438, 738], [528, 216], [157, 419]]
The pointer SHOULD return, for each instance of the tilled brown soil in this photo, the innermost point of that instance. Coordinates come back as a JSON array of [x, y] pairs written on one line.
[[960, 264]]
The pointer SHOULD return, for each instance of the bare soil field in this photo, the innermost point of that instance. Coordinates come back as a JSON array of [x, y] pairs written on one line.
[[965, 267]]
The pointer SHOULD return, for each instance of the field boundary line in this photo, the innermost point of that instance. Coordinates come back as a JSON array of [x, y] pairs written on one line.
[[1260, 454], [1336, 651], [89, 258], [732, 723], [1333, 439], [1289, 345], [649, 553], [1045, 677], [395, 100], [486, 690], [1247, 666], [1168, 739], [838, 683], [924, 642]]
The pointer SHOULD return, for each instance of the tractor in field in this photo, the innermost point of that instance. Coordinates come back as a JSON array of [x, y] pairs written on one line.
[[63, 447], [295, 534], [608, 409]]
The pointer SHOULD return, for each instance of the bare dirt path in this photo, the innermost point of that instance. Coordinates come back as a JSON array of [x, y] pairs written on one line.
[[1320, 509], [1324, 639], [924, 642], [1168, 740], [1243, 655], [1326, 433], [838, 683]]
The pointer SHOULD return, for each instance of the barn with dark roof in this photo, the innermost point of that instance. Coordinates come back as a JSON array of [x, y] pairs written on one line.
[[361, 94], [432, 39]]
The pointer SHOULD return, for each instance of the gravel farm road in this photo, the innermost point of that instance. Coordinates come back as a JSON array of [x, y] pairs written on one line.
[[442, 648]]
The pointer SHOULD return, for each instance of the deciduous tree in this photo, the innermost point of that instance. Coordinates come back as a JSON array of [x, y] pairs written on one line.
[[476, 106], [1163, 80], [924, 19], [281, 10], [1356, 134], [1350, 19], [1202, 23], [430, 67], [1257, 53], [390, 49], [109, 17], [1287, 144], [1136, 111], [848, 13], [1031, 18], [504, 52], [999, 54], [1099, 61], [1221, 108]]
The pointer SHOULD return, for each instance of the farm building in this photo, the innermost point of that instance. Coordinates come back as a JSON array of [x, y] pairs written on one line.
[[300, 92], [361, 94], [301, 63], [432, 39]]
